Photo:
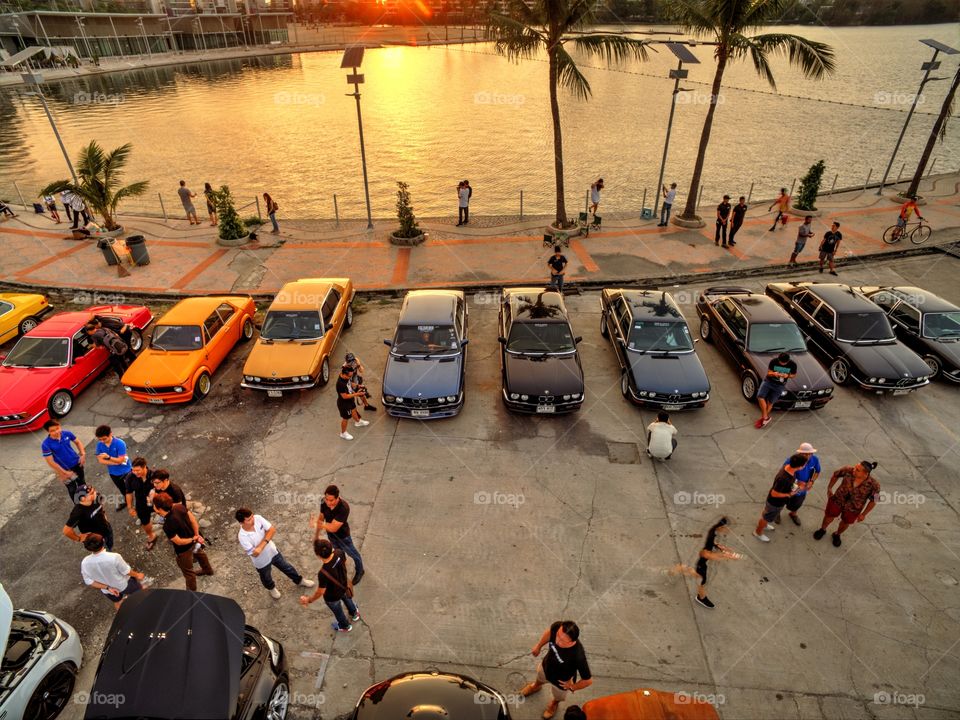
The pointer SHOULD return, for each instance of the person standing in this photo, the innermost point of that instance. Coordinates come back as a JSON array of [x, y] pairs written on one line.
[[558, 268], [723, 216], [852, 501], [564, 660], [210, 197], [52, 208], [333, 586], [256, 539], [805, 478], [58, 451], [784, 487], [88, 516], [112, 452], [272, 207], [829, 246], [65, 199], [347, 403], [669, 196], [804, 232], [356, 384], [139, 489], [108, 572], [595, 189], [334, 512], [79, 211], [463, 203], [782, 203], [163, 484], [181, 528], [661, 437], [739, 212], [779, 370], [186, 199], [117, 349]]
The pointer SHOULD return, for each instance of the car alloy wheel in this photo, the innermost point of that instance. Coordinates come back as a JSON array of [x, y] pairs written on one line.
[[52, 694], [279, 701], [247, 332], [61, 403], [348, 320], [203, 386], [839, 371], [136, 340], [705, 329], [28, 324], [604, 330], [624, 384], [748, 386], [325, 371], [934, 366]]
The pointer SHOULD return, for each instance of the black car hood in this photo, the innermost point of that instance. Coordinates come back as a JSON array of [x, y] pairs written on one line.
[[810, 373], [662, 373], [949, 350], [893, 360], [429, 696], [551, 375], [419, 377]]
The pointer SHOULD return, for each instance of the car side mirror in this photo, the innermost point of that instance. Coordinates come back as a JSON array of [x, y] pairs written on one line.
[[829, 333], [502, 340], [388, 343], [740, 343], [577, 340], [463, 343]]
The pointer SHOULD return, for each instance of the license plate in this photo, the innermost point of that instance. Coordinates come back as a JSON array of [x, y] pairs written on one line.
[[156, 401], [902, 392], [800, 404], [274, 393], [420, 413], [546, 408], [672, 407]]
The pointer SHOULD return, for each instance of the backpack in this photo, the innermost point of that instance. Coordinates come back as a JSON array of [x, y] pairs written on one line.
[[113, 343]]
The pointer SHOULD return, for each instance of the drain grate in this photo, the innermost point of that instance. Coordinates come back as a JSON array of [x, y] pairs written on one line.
[[623, 453]]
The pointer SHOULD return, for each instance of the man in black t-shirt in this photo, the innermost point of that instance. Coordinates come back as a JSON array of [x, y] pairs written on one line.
[[723, 215], [347, 402], [784, 488], [183, 531], [163, 484], [88, 516], [558, 268], [829, 245], [139, 487], [332, 586], [564, 660], [739, 211], [334, 512], [779, 370]]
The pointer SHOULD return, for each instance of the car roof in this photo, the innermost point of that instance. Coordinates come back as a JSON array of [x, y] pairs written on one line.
[[841, 298], [457, 695], [535, 304], [171, 654], [922, 299], [194, 310], [62, 324], [761, 309], [651, 303], [306, 293], [429, 307]]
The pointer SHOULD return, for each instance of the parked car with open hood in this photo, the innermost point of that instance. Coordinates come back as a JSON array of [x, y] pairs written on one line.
[[424, 373], [658, 365], [430, 695]]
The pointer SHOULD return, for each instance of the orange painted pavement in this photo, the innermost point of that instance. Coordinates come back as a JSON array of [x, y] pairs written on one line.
[[50, 260], [402, 267], [588, 264], [199, 268], [36, 233]]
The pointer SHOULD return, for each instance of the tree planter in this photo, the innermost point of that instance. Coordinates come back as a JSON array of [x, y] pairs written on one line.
[[407, 241], [900, 199], [110, 233], [232, 242], [797, 212], [693, 223]]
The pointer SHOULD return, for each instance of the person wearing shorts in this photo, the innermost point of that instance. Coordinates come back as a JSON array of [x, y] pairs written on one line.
[[829, 245], [564, 660], [108, 572], [139, 484], [779, 370], [347, 402], [805, 477], [852, 501], [784, 487], [804, 233]]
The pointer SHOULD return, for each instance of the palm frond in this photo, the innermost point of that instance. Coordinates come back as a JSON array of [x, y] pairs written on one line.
[[569, 75], [814, 59], [611, 48], [692, 17], [942, 135], [114, 162], [57, 186], [133, 190], [762, 13], [740, 45], [512, 38]]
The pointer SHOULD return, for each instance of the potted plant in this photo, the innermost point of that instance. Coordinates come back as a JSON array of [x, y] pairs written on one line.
[[98, 183], [409, 232], [232, 230], [805, 203]]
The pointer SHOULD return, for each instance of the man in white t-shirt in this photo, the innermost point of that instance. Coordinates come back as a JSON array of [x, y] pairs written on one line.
[[256, 539], [668, 197], [108, 572], [661, 437], [464, 191]]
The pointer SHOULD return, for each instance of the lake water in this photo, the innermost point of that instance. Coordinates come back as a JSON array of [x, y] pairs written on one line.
[[435, 115]]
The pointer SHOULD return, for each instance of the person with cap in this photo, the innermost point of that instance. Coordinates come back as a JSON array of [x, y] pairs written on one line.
[[88, 516], [108, 572], [805, 477], [357, 384], [853, 499], [784, 487], [564, 660], [347, 403], [723, 217]]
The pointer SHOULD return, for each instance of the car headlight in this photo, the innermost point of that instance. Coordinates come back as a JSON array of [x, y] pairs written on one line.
[[399, 399], [881, 380], [256, 379], [451, 398], [829, 391], [178, 388], [642, 393], [127, 388], [304, 378], [248, 378], [514, 396], [873, 379], [577, 396], [524, 397], [566, 397], [390, 398], [441, 400]]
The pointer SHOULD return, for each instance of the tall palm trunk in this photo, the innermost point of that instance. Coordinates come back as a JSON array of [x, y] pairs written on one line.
[[557, 137], [934, 134], [690, 211]]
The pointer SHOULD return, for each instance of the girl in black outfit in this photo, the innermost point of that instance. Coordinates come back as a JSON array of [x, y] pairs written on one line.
[[211, 205], [712, 550]]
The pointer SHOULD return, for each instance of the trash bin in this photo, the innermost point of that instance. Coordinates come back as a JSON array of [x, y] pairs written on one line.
[[106, 247], [137, 245]]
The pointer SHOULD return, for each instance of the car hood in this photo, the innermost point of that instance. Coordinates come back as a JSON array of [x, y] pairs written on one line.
[[161, 369], [22, 387], [669, 374], [810, 373], [552, 375], [418, 377], [949, 350], [889, 361], [282, 359], [6, 617]]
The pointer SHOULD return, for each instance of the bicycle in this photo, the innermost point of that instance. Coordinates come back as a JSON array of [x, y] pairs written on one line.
[[919, 233]]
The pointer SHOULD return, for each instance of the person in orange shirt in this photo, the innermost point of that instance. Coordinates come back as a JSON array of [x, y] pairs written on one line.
[[782, 204], [906, 210]]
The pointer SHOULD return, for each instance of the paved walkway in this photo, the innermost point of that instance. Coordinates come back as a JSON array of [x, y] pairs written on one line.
[[186, 260]]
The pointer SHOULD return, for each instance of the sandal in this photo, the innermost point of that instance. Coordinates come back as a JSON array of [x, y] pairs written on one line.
[[151, 543]]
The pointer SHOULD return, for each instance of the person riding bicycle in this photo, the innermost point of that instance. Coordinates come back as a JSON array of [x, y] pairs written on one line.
[[907, 209]]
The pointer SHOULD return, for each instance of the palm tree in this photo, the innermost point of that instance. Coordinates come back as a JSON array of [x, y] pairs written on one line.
[[939, 131], [99, 176], [729, 23], [552, 25]]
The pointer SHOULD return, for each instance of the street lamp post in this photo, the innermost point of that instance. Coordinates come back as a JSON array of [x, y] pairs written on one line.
[[35, 79], [927, 67], [683, 55], [352, 59]]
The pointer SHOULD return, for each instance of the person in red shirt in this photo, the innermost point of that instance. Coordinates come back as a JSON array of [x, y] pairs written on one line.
[[906, 210], [852, 501]]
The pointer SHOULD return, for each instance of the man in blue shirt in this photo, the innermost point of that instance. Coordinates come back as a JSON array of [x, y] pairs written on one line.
[[112, 452], [805, 477], [67, 462]]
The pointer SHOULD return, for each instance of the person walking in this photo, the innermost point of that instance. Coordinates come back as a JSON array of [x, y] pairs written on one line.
[[805, 478], [79, 208], [784, 487], [558, 268], [117, 349], [181, 528], [334, 512], [669, 197], [112, 452], [829, 246], [108, 572], [65, 455], [782, 203], [723, 217], [463, 203], [564, 660], [739, 212], [347, 402], [804, 233], [186, 199], [661, 437], [271, 206], [595, 189], [852, 501], [139, 490], [779, 370], [333, 586], [52, 208], [357, 385], [210, 197], [88, 516], [712, 550], [256, 539]]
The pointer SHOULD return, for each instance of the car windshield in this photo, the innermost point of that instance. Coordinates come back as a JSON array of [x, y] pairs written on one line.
[[39, 352], [660, 336], [540, 337], [177, 337], [856, 327], [775, 337], [292, 325], [941, 325], [426, 340]]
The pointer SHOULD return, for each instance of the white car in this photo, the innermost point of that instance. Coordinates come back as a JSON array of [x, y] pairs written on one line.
[[42, 655]]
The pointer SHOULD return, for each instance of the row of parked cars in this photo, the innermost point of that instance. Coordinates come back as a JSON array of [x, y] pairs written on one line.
[[883, 339]]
